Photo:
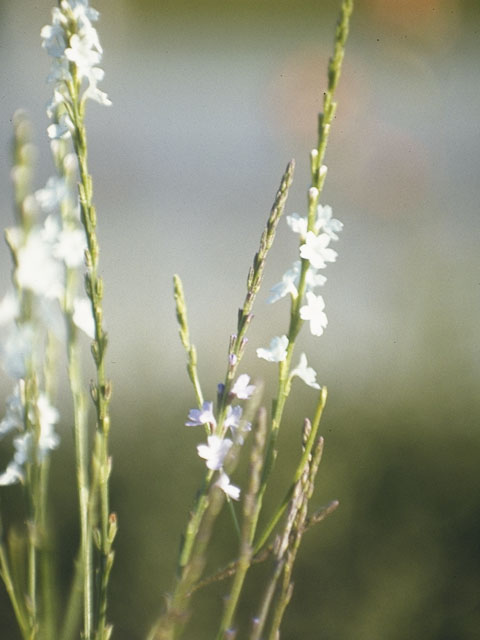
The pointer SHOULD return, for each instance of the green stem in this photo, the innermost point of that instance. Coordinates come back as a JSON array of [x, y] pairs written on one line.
[[298, 472], [101, 391], [17, 604]]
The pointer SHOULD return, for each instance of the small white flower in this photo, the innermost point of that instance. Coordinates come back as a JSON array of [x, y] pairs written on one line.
[[61, 130], [48, 417], [53, 37], [50, 198], [83, 316], [197, 417], [70, 247], [316, 250], [305, 373], [297, 224], [12, 474], [37, 268], [93, 92], [314, 279], [17, 349], [9, 308], [313, 311], [290, 281], [215, 451], [14, 415], [82, 53], [287, 285], [325, 222], [230, 490], [277, 351], [241, 388]]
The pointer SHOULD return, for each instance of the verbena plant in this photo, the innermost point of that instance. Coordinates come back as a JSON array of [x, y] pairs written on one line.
[[55, 254]]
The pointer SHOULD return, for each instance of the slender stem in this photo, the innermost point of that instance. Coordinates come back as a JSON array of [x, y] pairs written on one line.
[[101, 391], [249, 524], [298, 472], [17, 605]]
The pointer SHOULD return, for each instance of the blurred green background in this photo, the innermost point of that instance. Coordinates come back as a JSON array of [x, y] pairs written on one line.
[[210, 101]]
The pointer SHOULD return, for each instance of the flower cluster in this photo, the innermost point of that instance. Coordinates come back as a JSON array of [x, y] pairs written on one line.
[[218, 446], [47, 244], [72, 42], [314, 250]]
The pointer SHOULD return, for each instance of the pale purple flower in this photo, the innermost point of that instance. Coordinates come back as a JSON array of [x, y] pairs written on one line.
[[232, 421], [313, 311], [305, 373], [197, 417], [277, 351], [232, 418], [241, 388], [215, 451], [229, 489], [316, 250]]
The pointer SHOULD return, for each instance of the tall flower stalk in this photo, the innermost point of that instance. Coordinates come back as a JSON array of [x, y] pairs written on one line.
[[73, 43], [316, 230]]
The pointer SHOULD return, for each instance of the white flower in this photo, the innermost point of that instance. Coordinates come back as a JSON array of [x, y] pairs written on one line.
[[37, 268], [230, 490], [197, 417], [316, 250], [53, 37], [93, 92], [9, 308], [12, 474], [297, 224], [48, 417], [287, 285], [83, 316], [314, 279], [17, 349], [215, 451], [70, 247], [290, 281], [63, 129], [277, 351], [14, 416], [50, 198], [241, 388], [82, 53], [325, 222], [313, 311], [305, 373]]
